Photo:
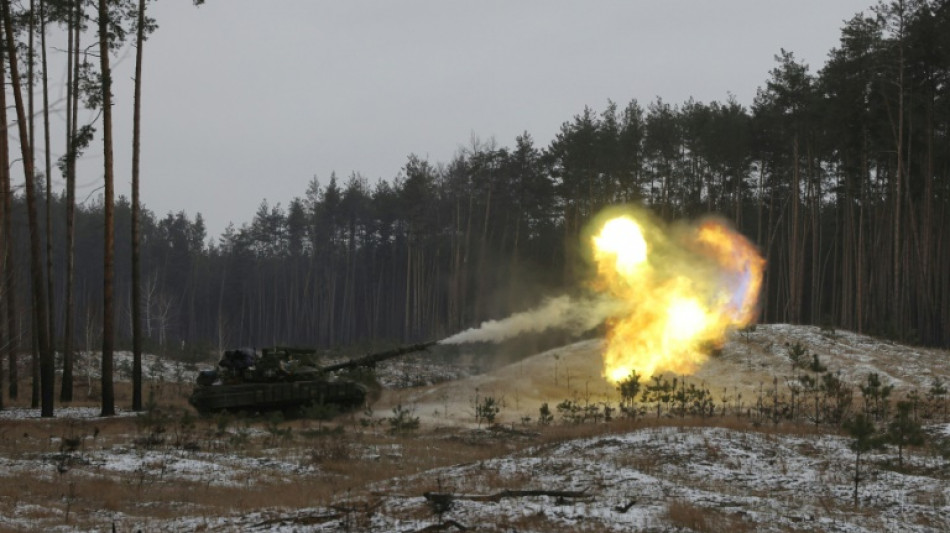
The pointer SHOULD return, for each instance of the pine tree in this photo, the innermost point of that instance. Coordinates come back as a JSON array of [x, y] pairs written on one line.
[[40, 320], [865, 436], [108, 296], [140, 32], [629, 387], [904, 430]]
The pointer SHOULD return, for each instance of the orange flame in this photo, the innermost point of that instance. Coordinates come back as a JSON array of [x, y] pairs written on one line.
[[681, 290]]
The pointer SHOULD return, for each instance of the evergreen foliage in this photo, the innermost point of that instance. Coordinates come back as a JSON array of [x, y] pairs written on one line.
[[839, 175], [904, 430], [865, 438]]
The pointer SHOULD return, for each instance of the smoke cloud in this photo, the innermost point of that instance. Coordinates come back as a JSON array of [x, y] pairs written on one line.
[[575, 315]]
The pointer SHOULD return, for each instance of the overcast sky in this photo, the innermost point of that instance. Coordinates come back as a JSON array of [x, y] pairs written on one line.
[[246, 100]]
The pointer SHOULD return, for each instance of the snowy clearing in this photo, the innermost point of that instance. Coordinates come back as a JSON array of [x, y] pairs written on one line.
[[169, 471]]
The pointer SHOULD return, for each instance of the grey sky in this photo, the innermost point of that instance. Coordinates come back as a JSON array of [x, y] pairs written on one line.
[[246, 100]]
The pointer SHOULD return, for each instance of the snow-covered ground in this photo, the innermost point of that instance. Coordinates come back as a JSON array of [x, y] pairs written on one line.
[[651, 479], [648, 479], [68, 413], [724, 474], [776, 482], [154, 367]]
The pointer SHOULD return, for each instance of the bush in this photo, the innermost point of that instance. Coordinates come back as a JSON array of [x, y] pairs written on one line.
[[402, 420], [545, 417], [629, 387], [487, 409]]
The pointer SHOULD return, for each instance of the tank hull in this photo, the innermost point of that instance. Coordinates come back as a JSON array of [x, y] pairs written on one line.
[[277, 396], [283, 378]]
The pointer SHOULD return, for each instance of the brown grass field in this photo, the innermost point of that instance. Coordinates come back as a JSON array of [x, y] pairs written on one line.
[[68, 486], [167, 469]]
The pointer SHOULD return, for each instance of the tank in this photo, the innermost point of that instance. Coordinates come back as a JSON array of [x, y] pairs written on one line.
[[283, 378]]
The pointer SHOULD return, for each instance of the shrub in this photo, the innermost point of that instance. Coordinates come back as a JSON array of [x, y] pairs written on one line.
[[629, 387], [402, 420], [544, 415], [487, 409]]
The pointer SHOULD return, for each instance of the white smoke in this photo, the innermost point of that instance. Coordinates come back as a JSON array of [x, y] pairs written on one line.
[[561, 312]]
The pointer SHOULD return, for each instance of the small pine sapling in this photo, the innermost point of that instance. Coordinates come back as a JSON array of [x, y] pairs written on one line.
[[862, 430], [904, 430], [937, 398], [629, 387], [545, 417], [487, 409], [402, 420]]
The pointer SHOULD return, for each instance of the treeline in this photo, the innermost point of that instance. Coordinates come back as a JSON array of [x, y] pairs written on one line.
[[841, 177]]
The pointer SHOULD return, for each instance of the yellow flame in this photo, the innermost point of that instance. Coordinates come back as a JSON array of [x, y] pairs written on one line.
[[620, 246], [682, 290]]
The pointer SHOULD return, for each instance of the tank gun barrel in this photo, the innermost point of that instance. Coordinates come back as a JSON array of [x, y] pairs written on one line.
[[372, 359]]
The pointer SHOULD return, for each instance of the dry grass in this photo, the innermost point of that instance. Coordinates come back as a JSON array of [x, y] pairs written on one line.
[[541, 522], [704, 520], [343, 461], [338, 465]]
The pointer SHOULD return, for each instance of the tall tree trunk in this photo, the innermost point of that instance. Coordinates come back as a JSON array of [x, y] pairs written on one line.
[[760, 242], [9, 277], [897, 242], [40, 322], [481, 305], [928, 309], [794, 250], [5, 333], [49, 185], [35, 366], [406, 332], [136, 258], [861, 282], [814, 179], [72, 129], [108, 311]]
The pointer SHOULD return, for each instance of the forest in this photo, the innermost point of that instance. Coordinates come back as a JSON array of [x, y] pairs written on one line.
[[840, 176]]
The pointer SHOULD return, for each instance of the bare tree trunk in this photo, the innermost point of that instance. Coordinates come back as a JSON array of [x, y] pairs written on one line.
[[72, 129], [794, 274], [35, 363], [136, 256], [9, 281], [465, 308], [926, 293], [108, 311], [39, 301], [897, 242], [861, 268], [36, 380], [50, 294], [814, 178], [759, 241], [481, 307], [406, 333], [455, 287]]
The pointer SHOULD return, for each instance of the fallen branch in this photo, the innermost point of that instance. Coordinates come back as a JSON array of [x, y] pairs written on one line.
[[357, 507], [625, 507], [443, 526], [298, 520], [438, 497]]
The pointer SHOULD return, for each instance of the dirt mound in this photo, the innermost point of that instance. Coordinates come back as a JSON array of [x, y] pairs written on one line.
[[749, 361]]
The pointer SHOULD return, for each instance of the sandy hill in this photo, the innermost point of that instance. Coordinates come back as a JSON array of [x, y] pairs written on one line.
[[749, 360]]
